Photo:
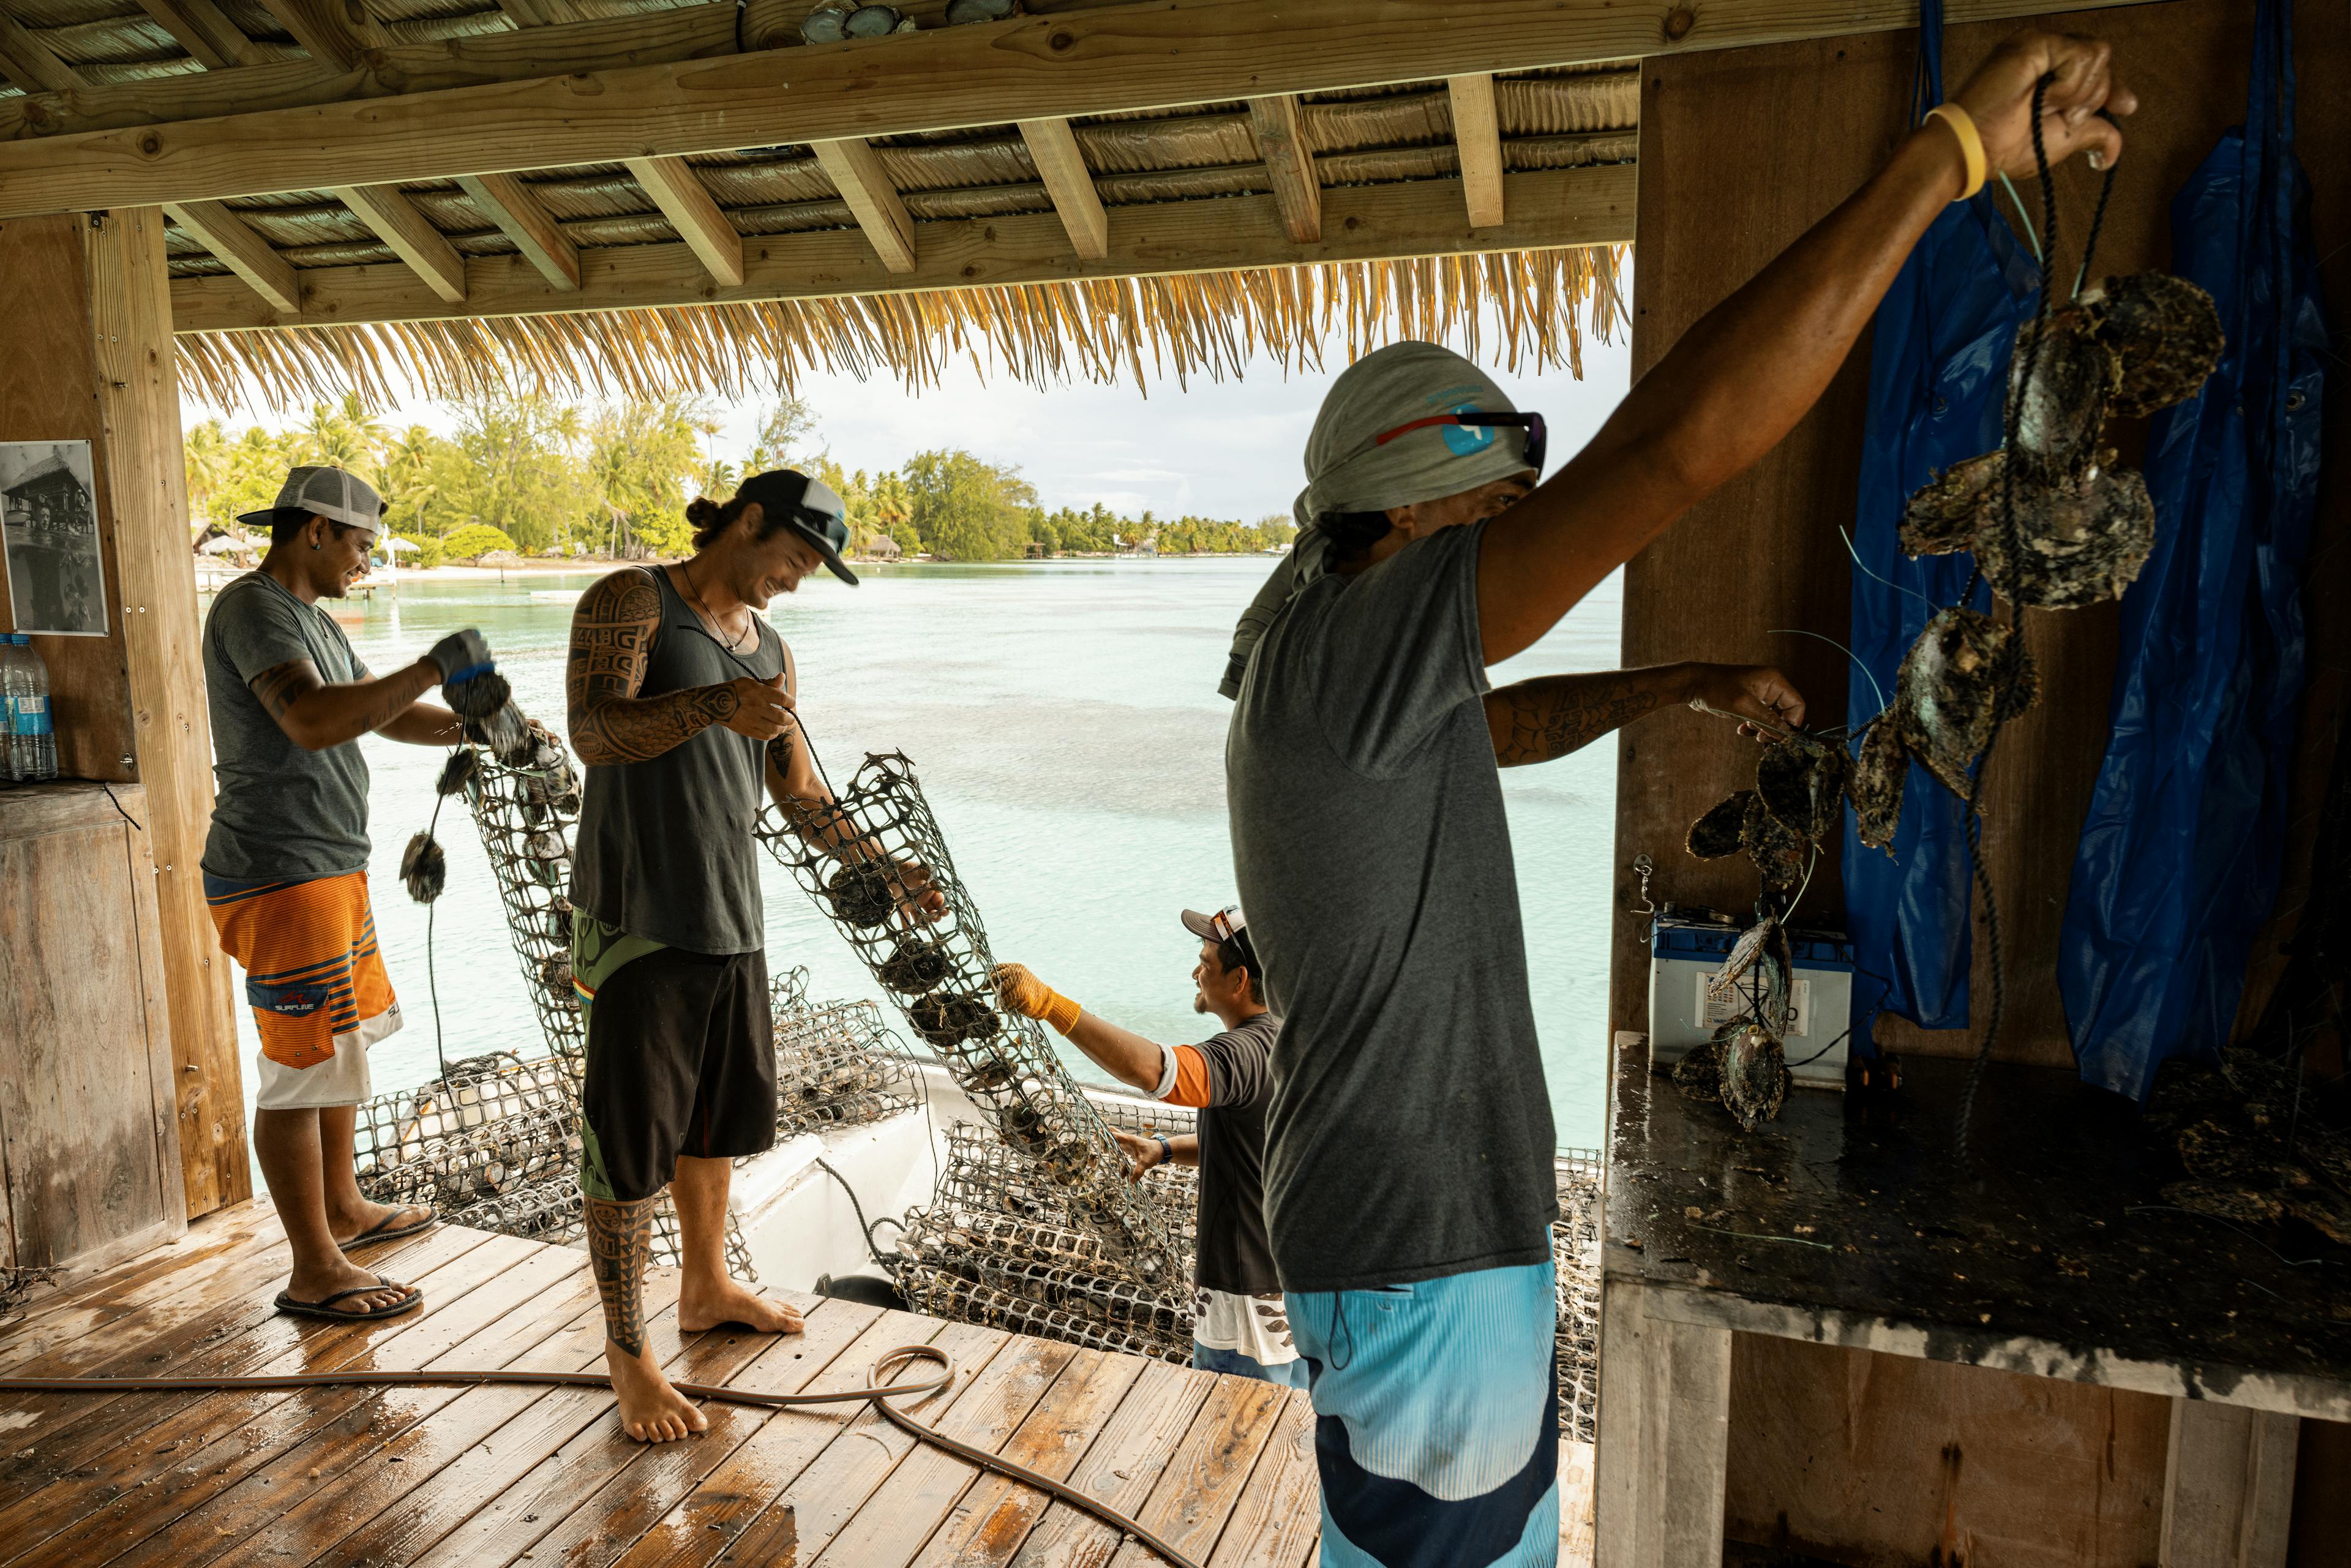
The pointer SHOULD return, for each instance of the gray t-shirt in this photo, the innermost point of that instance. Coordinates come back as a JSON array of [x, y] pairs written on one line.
[[278, 811], [1409, 1136]]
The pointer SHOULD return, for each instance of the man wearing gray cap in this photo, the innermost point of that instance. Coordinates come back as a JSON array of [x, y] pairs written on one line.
[[1408, 1159], [286, 867]]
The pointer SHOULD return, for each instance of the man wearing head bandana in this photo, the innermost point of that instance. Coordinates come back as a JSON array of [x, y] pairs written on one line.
[[1409, 1177]]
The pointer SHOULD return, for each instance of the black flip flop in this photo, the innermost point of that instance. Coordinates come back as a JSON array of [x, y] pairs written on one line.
[[325, 1307], [376, 1232]]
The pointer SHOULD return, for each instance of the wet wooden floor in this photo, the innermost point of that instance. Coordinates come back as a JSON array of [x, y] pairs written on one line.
[[482, 1477]]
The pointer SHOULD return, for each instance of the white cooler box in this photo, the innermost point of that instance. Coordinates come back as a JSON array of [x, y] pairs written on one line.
[[1684, 954]]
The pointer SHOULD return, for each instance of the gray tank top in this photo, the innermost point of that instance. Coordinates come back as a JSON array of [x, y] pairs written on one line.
[[665, 849]]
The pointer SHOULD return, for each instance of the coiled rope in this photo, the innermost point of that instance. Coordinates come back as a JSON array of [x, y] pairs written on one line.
[[877, 1392]]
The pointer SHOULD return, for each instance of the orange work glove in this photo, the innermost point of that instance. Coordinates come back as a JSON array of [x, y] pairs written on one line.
[[1020, 991]]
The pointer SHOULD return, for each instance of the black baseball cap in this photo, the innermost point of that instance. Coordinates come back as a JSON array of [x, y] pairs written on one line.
[[809, 507]]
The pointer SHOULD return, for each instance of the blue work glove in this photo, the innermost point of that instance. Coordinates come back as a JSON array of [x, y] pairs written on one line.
[[462, 657]]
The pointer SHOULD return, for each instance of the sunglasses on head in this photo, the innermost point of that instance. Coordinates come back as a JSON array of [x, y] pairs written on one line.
[[827, 525], [1532, 423], [1226, 923]]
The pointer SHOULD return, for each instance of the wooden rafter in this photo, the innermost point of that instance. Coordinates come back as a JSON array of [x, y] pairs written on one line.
[[685, 201], [246, 254], [203, 29], [539, 13], [1144, 56], [1053, 147], [1477, 133], [411, 235], [507, 202], [1290, 164], [31, 63], [856, 172], [1366, 222], [334, 32]]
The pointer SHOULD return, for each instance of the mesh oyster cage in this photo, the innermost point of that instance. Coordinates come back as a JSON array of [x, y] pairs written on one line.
[[397, 1128], [526, 817], [986, 1178], [836, 1063], [1575, 1254], [937, 968], [459, 1169]]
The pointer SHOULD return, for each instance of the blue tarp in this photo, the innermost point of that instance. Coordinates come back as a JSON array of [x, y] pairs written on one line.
[[2180, 857], [1937, 366]]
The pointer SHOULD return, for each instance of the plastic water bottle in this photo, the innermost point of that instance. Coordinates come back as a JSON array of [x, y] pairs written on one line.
[[10, 773], [34, 750]]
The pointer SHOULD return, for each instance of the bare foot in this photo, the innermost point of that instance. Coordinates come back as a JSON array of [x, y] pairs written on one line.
[[317, 1282], [706, 1305], [651, 1410], [348, 1226]]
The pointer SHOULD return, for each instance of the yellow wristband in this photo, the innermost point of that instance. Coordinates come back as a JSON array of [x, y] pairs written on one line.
[[1971, 147], [1060, 1012]]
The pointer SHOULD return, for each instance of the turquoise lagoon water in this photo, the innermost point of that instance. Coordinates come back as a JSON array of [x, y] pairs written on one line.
[[1064, 720]]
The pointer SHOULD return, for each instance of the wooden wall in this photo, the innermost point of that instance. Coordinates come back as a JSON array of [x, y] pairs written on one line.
[[90, 1161], [1741, 152], [90, 358]]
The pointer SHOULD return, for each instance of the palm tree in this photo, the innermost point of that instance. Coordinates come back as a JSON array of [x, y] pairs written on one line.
[[346, 436]]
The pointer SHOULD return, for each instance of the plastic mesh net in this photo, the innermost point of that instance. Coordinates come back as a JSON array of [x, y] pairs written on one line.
[[1576, 1249], [889, 855], [836, 1063]]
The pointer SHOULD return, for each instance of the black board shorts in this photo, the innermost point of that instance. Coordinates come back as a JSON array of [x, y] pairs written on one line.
[[681, 1060]]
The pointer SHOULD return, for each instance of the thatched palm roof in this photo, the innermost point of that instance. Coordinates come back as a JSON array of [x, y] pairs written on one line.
[[1518, 302]]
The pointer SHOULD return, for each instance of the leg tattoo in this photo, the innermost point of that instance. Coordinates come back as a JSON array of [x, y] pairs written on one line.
[[619, 1236]]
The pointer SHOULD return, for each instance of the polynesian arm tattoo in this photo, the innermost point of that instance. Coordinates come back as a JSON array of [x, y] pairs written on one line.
[[612, 633], [620, 1235], [1550, 716], [351, 709]]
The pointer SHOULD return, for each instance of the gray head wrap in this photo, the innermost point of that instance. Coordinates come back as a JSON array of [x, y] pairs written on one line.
[[1345, 472]]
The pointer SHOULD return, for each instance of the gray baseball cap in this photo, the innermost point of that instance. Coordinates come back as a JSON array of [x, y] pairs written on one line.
[[332, 493]]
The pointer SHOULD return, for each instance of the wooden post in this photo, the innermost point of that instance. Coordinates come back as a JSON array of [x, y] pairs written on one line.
[[2227, 1487], [94, 293], [1665, 1427]]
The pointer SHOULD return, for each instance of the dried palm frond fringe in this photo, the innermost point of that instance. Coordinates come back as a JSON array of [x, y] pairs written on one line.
[[1518, 308]]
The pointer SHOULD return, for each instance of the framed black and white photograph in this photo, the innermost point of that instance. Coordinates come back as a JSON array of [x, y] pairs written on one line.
[[49, 528]]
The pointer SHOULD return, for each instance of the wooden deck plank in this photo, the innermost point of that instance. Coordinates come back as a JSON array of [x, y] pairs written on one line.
[[551, 1507], [215, 1506], [1122, 1467], [735, 1498], [257, 1328], [439, 1504], [821, 1500], [893, 1523], [1280, 1510], [1578, 1544], [994, 1518], [66, 1337], [1209, 1469], [209, 1243], [131, 1441]]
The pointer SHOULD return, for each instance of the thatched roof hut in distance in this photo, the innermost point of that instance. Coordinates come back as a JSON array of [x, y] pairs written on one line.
[[881, 547]]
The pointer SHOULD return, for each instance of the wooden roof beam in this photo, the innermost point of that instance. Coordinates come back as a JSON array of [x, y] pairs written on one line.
[[1290, 164], [203, 29], [1060, 164], [1362, 222], [30, 63], [246, 254], [856, 172], [685, 201], [411, 235], [1477, 133], [506, 201], [539, 13], [336, 33], [539, 105]]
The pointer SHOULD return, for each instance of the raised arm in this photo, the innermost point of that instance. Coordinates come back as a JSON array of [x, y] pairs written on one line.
[[1126, 1055], [612, 635], [1749, 369], [317, 715], [1550, 716]]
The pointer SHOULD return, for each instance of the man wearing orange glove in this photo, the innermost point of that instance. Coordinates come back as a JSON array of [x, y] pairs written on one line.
[[1238, 1323]]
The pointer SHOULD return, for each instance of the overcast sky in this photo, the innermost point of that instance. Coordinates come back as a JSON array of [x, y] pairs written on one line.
[[1228, 449]]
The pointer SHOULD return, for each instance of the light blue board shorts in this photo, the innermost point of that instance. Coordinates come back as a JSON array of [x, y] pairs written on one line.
[[1435, 1419]]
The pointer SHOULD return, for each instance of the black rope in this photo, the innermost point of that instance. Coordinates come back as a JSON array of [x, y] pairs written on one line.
[[2011, 657]]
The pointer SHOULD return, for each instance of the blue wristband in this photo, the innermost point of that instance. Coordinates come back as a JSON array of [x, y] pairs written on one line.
[[470, 672], [1166, 1150]]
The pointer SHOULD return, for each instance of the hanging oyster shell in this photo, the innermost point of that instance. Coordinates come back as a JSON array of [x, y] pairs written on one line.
[[860, 895], [2081, 541], [424, 868], [1699, 1074], [914, 967], [1947, 694], [2060, 415], [1761, 970], [1801, 781], [2165, 334], [1779, 854], [1754, 1075]]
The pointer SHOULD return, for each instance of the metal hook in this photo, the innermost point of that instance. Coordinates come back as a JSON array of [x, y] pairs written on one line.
[[1643, 868]]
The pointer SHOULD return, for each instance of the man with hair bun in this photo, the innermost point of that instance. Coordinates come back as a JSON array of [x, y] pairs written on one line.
[[681, 702], [1408, 1176]]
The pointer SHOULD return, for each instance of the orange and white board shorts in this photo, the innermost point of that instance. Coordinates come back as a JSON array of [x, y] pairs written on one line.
[[314, 979]]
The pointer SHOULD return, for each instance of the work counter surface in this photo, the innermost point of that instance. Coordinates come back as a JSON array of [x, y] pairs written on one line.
[[2050, 1251], [30, 810]]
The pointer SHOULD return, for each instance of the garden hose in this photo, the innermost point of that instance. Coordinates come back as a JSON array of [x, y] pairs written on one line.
[[876, 1391]]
